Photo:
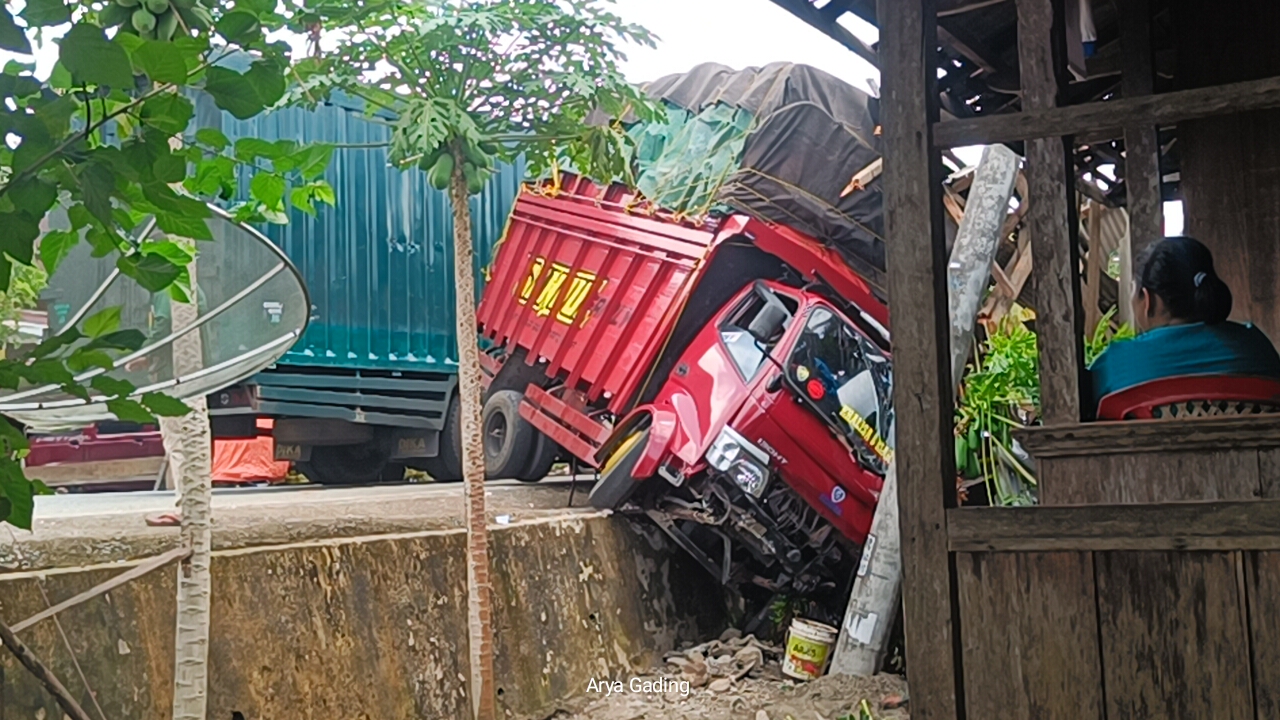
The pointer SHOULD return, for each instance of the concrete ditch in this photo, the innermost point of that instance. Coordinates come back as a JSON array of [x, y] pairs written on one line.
[[374, 627]]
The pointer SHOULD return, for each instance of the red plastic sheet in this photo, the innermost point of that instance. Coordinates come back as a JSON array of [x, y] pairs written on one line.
[[248, 460]]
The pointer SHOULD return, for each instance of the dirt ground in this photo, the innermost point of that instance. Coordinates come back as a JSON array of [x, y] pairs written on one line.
[[734, 678]]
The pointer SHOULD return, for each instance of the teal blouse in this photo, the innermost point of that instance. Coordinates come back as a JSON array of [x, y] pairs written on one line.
[[1227, 348]]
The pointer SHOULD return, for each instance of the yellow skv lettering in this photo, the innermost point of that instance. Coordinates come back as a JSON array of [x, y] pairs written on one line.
[[551, 291], [867, 433], [578, 291], [526, 290]]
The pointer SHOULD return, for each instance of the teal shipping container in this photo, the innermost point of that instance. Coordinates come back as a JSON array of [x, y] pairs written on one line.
[[369, 386]]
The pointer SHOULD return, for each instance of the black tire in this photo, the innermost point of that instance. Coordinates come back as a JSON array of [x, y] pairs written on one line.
[[446, 466], [362, 464], [393, 472], [545, 452], [509, 440], [617, 482]]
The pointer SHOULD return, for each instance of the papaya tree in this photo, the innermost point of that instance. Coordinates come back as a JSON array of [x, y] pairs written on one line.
[[108, 139], [472, 83]]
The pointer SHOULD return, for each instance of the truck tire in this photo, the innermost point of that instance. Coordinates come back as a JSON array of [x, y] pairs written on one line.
[[361, 464], [509, 440], [545, 452], [446, 466], [616, 480]]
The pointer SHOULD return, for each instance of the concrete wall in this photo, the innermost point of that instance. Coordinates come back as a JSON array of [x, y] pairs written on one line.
[[374, 627]]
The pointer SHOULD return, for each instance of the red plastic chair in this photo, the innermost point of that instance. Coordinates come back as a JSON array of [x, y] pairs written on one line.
[[1192, 396]]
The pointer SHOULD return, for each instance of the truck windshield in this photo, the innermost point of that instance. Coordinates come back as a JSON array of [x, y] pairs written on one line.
[[845, 378]]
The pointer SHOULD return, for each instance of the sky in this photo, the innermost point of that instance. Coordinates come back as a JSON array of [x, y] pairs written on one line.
[[737, 33]]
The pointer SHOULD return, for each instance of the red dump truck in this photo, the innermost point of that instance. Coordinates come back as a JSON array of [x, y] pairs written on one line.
[[729, 378]]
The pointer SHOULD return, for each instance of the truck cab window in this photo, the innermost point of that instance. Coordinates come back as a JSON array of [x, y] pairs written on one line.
[[845, 378], [746, 353]]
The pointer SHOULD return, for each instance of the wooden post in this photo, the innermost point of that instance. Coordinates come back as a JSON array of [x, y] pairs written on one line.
[[1051, 217], [1142, 150], [1093, 267], [42, 673], [873, 602], [917, 265]]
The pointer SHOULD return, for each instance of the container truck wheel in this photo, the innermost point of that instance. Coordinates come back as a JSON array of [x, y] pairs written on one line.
[[616, 481], [446, 466], [509, 440], [361, 464]]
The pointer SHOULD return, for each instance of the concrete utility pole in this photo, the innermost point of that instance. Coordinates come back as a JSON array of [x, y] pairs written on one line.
[[876, 595]]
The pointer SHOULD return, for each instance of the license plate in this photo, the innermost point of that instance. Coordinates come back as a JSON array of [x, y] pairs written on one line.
[[288, 452]]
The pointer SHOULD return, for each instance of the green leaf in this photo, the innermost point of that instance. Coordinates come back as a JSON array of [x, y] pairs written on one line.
[[268, 189], [162, 62], [93, 59], [164, 406], [323, 192], [42, 13], [171, 251], [300, 197], [153, 272], [313, 160], [212, 137], [112, 387], [129, 411], [103, 242], [102, 322], [249, 149], [60, 77], [260, 7], [54, 247], [17, 491], [64, 338], [182, 226], [11, 36], [97, 183], [245, 95], [33, 196], [240, 27], [83, 359], [169, 113], [169, 168], [18, 232], [128, 340]]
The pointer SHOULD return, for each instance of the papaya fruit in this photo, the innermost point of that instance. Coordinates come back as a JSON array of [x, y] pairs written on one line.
[[157, 7], [441, 172], [166, 26], [143, 21], [114, 14], [128, 3], [475, 182], [962, 453]]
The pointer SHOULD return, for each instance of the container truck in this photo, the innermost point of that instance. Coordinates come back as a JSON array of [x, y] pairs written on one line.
[[370, 387]]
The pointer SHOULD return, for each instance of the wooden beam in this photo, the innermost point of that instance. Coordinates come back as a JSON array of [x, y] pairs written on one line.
[[948, 8], [969, 47], [912, 186], [1051, 216], [1216, 526], [1107, 119], [1142, 149], [1151, 436], [42, 673], [1093, 268], [805, 10]]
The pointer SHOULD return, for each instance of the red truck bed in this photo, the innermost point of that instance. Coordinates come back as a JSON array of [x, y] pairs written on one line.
[[573, 274]]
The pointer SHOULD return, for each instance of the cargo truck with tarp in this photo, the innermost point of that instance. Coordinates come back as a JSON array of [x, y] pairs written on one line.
[[711, 339]]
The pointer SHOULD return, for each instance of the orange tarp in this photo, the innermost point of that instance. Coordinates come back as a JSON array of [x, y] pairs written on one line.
[[248, 460]]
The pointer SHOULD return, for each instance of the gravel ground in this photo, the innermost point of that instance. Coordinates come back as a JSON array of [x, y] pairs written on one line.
[[736, 677]]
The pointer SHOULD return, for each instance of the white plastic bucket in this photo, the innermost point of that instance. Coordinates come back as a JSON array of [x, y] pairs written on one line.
[[808, 649]]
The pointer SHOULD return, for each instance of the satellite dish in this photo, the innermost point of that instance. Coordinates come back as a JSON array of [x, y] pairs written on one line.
[[252, 306]]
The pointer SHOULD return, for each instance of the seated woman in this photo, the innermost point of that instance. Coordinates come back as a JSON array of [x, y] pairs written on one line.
[[1180, 307]]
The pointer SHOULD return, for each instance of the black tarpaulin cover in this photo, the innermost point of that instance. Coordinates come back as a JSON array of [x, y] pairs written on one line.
[[799, 136]]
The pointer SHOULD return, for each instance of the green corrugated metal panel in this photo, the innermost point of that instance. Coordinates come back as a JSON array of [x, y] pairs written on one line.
[[378, 265]]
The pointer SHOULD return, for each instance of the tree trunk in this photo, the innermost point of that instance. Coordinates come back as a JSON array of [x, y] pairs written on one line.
[[479, 610], [186, 442]]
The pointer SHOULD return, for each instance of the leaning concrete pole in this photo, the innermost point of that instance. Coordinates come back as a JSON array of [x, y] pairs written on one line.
[[186, 442], [877, 590]]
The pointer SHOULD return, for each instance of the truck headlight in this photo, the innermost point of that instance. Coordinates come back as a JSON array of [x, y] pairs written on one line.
[[739, 458]]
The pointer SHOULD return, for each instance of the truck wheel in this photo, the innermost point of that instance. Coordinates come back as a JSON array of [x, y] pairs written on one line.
[[616, 481], [545, 452], [446, 466], [360, 464], [509, 440]]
